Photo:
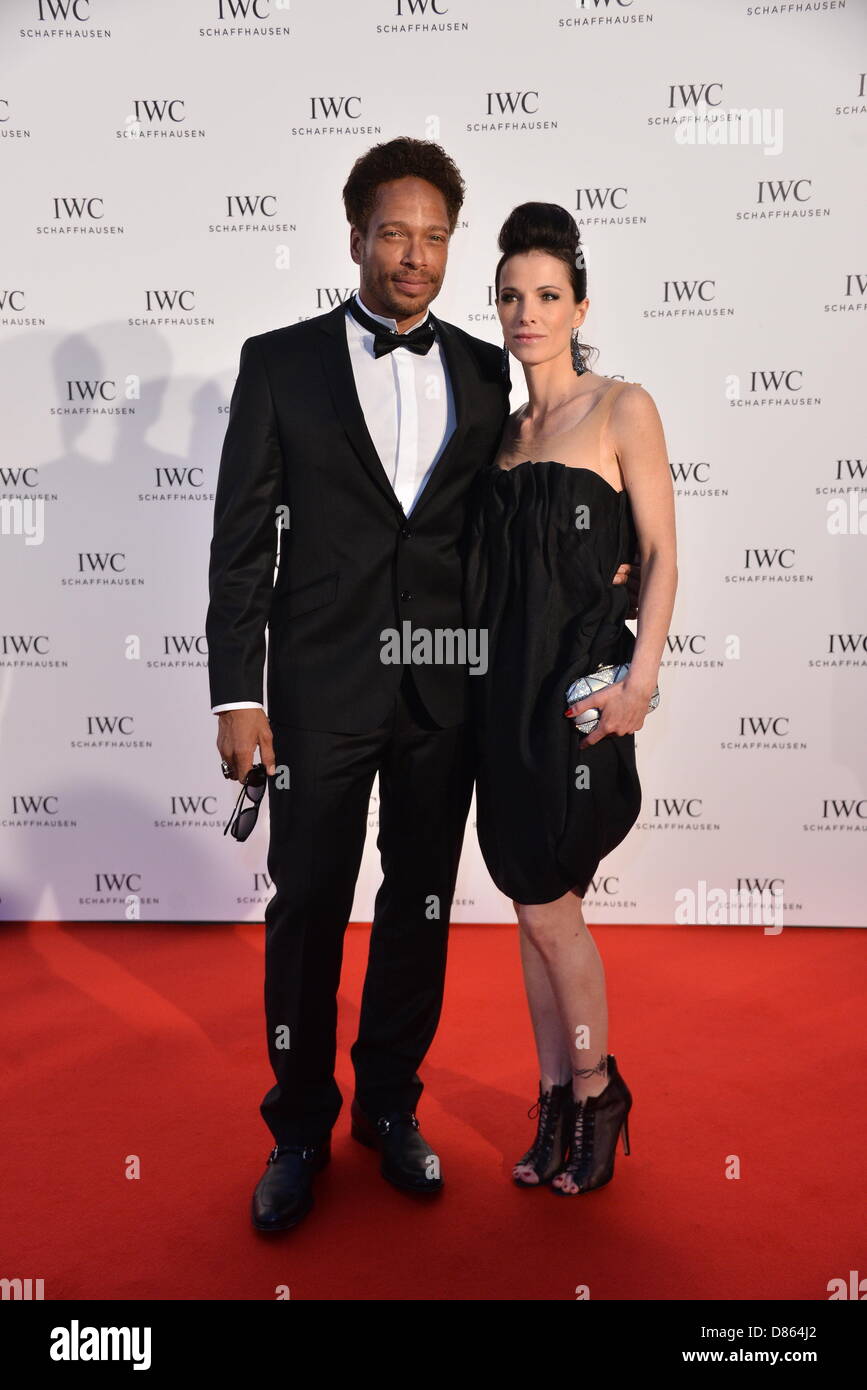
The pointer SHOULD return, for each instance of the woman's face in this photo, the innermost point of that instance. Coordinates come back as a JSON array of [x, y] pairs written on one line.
[[537, 308]]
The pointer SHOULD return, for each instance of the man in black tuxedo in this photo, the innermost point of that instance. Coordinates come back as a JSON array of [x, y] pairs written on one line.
[[364, 428], [368, 445]]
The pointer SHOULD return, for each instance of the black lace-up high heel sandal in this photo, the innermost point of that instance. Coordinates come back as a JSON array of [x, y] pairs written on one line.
[[549, 1147], [596, 1124]]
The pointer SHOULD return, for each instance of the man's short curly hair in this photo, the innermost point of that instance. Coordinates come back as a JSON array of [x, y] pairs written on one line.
[[399, 159]]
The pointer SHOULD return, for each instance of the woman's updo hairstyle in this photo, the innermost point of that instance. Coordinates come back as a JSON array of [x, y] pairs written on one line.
[[550, 228]]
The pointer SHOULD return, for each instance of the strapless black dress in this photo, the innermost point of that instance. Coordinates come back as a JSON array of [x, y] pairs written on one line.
[[541, 587]]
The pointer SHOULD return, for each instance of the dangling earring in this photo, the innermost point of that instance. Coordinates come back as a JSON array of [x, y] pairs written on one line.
[[504, 365], [577, 360]]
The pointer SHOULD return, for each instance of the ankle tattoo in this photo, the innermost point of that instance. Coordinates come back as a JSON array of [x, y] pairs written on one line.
[[601, 1068]]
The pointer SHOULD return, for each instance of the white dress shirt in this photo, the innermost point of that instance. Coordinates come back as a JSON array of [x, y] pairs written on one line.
[[408, 406]]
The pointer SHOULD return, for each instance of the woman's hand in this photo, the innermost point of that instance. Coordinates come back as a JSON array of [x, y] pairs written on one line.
[[622, 708], [630, 575]]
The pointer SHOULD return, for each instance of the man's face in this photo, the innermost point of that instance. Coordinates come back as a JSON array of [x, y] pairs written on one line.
[[404, 252]]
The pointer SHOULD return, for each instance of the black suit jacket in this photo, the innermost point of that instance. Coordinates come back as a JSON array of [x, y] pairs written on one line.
[[351, 563]]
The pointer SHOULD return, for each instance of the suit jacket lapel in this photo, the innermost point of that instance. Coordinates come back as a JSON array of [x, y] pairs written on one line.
[[459, 366], [341, 382]]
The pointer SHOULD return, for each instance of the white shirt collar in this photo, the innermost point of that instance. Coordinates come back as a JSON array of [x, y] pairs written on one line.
[[389, 323]]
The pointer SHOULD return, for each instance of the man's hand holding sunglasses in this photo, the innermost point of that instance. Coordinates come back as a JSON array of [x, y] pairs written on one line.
[[240, 733]]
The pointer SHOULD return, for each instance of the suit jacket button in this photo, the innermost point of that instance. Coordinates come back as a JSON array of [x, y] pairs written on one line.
[[405, 532], [404, 595]]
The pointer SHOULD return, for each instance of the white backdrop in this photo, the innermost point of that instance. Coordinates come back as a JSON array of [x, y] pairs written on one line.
[[171, 185]]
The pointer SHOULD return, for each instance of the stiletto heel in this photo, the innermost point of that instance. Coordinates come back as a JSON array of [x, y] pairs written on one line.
[[549, 1147], [597, 1124]]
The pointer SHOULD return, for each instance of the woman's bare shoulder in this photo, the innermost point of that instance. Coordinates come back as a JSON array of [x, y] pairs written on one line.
[[632, 394], [635, 422], [633, 405]]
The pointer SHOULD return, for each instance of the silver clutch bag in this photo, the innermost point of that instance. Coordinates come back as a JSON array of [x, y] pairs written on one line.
[[597, 680]]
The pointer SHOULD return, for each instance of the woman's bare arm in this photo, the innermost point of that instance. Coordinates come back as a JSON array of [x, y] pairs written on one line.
[[639, 441]]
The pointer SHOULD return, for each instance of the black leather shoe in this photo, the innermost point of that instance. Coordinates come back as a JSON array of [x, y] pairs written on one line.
[[408, 1161], [284, 1193]]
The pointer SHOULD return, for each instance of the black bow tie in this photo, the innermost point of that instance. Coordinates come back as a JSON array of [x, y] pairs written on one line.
[[419, 339]]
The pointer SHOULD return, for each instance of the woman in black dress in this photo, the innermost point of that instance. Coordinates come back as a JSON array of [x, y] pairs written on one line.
[[580, 479]]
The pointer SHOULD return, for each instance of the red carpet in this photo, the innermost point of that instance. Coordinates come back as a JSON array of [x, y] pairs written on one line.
[[149, 1041]]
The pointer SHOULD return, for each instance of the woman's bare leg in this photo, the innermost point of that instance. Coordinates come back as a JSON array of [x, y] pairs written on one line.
[[555, 1062], [560, 951]]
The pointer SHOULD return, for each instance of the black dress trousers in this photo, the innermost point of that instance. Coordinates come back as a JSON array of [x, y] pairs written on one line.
[[318, 829]]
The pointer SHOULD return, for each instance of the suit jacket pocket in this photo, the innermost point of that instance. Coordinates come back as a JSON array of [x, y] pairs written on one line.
[[316, 593]]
